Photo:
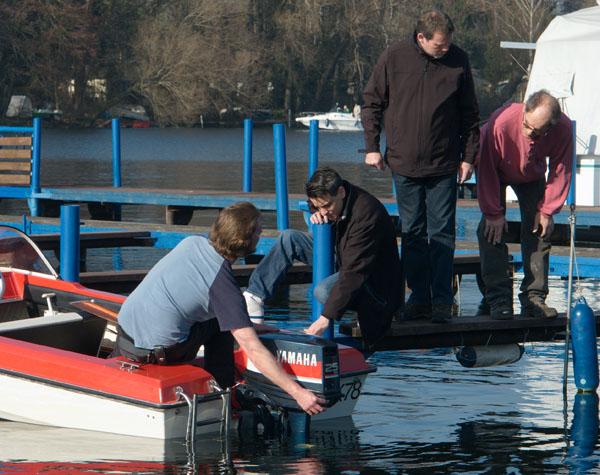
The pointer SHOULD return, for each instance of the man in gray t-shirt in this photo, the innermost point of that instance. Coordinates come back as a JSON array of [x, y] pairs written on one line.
[[190, 298]]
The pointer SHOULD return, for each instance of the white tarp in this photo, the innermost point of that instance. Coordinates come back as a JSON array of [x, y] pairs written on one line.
[[567, 63]]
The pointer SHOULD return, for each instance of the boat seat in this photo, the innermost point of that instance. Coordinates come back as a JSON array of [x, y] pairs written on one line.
[[13, 310], [63, 330], [39, 322]]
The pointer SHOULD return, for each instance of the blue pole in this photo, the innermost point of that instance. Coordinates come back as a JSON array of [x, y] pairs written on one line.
[[69, 243], [35, 165], [248, 155], [313, 154], [116, 152], [322, 265], [281, 191], [571, 195]]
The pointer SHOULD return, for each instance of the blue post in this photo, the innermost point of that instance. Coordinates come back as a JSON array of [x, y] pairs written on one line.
[[313, 154], [248, 155], [571, 195], [35, 165], [116, 153], [69, 243], [322, 265], [281, 191], [585, 349]]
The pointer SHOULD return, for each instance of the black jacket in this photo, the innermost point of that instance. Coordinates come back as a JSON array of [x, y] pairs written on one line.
[[368, 264], [429, 109]]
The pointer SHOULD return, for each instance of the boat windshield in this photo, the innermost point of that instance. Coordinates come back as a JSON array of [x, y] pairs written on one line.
[[18, 251]]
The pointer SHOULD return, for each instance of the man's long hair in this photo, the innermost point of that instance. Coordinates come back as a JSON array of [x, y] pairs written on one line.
[[232, 231]]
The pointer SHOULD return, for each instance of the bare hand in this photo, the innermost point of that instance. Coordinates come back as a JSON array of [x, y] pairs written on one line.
[[316, 218], [465, 172], [309, 402], [374, 159], [494, 228], [547, 225], [319, 326]]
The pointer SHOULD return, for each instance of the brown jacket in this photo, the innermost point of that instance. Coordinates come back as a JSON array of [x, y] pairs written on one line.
[[368, 264], [429, 109]]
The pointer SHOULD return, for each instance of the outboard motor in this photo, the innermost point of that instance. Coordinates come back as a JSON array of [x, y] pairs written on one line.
[[312, 362]]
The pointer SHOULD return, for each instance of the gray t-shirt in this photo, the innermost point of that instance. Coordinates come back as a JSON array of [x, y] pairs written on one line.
[[193, 283]]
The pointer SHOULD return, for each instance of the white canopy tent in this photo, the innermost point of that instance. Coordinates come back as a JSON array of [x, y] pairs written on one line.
[[567, 64]]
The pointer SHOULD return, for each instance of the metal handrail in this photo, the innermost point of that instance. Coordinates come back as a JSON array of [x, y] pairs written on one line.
[[193, 423]]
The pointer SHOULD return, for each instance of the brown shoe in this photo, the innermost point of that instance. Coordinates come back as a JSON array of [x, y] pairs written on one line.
[[535, 307]]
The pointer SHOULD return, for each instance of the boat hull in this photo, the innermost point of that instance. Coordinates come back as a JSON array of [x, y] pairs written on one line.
[[37, 402], [340, 121]]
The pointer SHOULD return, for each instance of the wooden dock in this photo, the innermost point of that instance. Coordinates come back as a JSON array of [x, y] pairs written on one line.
[[124, 281], [466, 331]]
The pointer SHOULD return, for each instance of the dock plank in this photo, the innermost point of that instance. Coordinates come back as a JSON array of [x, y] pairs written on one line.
[[466, 331], [97, 239], [124, 281]]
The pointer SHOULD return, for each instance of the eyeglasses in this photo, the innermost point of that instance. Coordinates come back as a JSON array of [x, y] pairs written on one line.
[[535, 132]]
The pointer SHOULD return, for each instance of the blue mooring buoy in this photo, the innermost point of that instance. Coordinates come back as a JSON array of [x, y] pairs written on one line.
[[585, 350]]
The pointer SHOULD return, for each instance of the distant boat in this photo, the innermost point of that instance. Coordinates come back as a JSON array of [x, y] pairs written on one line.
[[332, 120], [21, 107]]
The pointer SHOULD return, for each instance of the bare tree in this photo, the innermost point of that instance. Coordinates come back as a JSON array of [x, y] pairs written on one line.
[[52, 43], [197, 57]]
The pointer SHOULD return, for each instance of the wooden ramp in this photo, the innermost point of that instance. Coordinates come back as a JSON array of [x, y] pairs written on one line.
[[466, 331]]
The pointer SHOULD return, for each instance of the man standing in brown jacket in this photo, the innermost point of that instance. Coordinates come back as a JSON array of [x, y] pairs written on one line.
[[422, 90]]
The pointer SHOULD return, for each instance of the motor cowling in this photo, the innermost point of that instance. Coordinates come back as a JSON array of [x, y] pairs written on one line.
[[311, 361]]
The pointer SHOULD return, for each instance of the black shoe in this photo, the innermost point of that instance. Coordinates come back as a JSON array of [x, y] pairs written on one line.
[[501, 310], [413, 311], [535, 307], [441, 313], [483, 308]]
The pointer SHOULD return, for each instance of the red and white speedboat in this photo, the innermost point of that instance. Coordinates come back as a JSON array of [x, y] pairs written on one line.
[[54, 368]]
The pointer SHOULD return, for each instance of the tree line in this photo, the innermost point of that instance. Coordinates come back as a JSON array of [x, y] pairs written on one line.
[[188, 60]]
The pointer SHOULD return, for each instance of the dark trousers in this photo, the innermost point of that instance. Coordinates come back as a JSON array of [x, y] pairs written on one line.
[[534, 249], [427, 208], [218, 351]]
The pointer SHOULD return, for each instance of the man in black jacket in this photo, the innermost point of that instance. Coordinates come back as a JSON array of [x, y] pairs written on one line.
[[422, 89], [368, 277]]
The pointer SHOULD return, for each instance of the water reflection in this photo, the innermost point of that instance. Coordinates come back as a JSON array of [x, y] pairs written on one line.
[[584, 434]]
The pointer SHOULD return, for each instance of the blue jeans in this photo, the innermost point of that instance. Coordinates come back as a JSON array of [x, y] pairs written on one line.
[[427, 208], [292, 245]]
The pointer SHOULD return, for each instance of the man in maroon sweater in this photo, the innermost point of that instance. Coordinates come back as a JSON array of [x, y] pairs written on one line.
[[515, 144]]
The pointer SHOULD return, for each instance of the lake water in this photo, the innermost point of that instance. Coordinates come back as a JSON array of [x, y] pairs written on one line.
[[421, 412]]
